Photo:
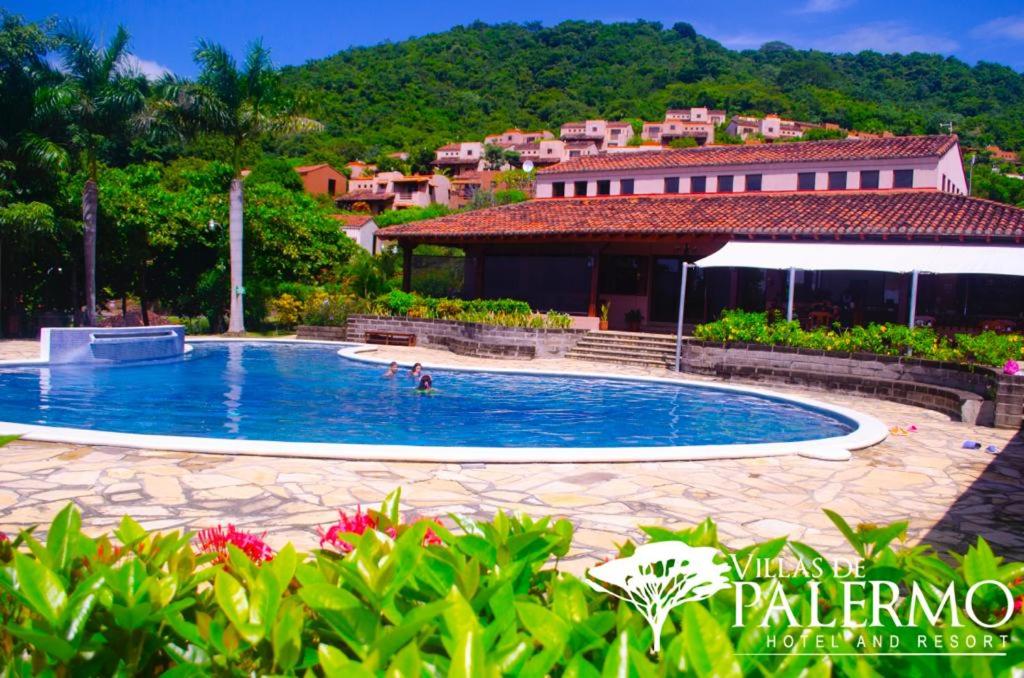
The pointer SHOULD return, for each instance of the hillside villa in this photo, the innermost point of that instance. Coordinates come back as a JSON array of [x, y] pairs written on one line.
[[361, 228], [616, 228], [603, 133], [322, 179], [772, 127], [394, 190], [695, 122]]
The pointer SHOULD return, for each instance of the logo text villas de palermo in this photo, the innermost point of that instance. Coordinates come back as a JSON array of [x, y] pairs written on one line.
[[661, 576]]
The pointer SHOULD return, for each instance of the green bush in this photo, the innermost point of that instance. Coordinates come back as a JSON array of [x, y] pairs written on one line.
[[504, 312], [330, 310], [199, 324], [473, 598], [987, 348]]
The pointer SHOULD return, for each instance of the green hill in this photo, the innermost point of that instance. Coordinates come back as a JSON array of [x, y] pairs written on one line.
[[480, 78]]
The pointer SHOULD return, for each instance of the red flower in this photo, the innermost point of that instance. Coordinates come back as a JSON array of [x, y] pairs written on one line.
[[4, 537], [216, 540], [358, 524]]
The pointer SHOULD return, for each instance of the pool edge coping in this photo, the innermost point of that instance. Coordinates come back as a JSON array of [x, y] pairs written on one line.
[[870, 431]]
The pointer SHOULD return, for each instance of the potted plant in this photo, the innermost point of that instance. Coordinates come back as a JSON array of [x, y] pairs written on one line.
[[633, 320], [603, 326]]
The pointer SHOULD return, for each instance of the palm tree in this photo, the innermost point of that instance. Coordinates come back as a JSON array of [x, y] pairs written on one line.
[[98, 95], [242, 104]]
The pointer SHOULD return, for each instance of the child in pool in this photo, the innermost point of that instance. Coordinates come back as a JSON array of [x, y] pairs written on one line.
[[416, 371], [392, 370], [426, 386]]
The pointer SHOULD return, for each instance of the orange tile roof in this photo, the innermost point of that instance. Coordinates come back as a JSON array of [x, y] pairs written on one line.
[[893, 148], [352, 219], [364, 196], [303, 169], [925, 213]]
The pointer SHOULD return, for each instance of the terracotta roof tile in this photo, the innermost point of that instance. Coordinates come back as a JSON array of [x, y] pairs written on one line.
[[352, 219], [364, 196], [893, 148], [835, 214]]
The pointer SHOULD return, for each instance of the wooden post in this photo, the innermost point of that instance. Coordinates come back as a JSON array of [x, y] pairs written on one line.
[[595, 258], [407, 248]]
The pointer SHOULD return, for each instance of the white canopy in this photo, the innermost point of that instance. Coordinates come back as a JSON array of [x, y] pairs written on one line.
[[988, 259]]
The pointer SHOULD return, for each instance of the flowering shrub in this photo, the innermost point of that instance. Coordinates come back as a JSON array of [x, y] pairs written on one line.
[[1011, 367], [503, 312], [492, 602], [216, 540], [987, 348], [356, 525], [285, 310]]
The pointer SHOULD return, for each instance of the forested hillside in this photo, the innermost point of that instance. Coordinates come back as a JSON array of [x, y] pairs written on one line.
[[476, 79]]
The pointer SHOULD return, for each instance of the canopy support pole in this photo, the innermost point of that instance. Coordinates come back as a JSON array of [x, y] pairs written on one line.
[[789, 301], [913, 297], [679, 324]]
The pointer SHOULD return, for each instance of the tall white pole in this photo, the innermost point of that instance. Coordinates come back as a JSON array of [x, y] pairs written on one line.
[[913, 298], [236, 321], [679, 324], [789, 301]]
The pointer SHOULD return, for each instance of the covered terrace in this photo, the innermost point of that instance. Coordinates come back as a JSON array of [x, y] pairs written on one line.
[[578, 254]]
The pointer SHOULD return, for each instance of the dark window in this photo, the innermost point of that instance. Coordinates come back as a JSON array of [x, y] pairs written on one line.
[[469, 151], [805, 181], [579, 188], [626, 187], [754, 182], [837, 181], [622, 275], [604, 187], [903, 178], [698, 184], [331, 185], [558, 189], [725, 183], [671, 184], [869, 179]]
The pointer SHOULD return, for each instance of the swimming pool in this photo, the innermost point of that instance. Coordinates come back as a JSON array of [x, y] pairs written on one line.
[[308, 398]]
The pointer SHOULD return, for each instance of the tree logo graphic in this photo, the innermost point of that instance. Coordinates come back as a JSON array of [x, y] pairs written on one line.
[[659, 577]]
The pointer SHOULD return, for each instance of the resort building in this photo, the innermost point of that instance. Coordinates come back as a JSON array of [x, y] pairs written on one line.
[[394, 190], [616, 229], [459, 157], [322, 179], [357, 169], [515, 137], [697, 123], [602, 133], [771, 127], [361, 228]]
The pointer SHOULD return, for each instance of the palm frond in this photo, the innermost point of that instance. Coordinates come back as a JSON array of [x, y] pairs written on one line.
[[219, 72], [258, 72], [59, 100], [115, 53], [78, 55], [42, 152]]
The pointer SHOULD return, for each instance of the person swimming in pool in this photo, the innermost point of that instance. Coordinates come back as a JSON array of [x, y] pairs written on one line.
[[426, 386], [416, 371], [392, 370]]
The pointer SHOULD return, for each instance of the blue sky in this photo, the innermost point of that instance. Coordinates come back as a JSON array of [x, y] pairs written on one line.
[[164, 32]]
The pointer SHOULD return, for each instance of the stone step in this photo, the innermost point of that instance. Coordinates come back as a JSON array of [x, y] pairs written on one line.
[[625, 343], [631, 335], [656, 359], [614, 351], [634, 362]]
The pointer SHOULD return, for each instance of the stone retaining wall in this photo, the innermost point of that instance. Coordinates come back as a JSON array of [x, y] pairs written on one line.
[[974, 394], [471, 339], [320, 333]]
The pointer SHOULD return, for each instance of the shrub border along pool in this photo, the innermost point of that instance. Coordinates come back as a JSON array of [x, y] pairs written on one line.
[[869, 431]]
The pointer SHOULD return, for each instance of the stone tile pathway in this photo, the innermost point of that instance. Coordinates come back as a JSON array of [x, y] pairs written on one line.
[[949, 495]]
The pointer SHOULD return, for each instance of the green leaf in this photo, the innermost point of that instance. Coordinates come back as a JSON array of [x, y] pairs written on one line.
[[707, 645], [545, 626], [848, 532], [130, 532], [41, 588], [616, 660], [328, 597], [233, 601], [405, 664], [389, 508], [62, 536], [47, 642], [287, 636], [336, 664]]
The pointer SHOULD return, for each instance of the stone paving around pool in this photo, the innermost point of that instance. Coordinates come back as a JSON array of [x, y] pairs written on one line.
[[949, 495]]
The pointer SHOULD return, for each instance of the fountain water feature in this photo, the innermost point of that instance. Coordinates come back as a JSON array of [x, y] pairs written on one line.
[[74, 345]]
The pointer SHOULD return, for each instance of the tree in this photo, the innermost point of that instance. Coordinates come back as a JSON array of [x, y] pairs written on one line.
[[94, 102], [683, 142], [244, 104], [494, 157]]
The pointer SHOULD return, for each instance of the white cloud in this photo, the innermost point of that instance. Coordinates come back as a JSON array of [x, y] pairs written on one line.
[[746, 40], [151, 69], [1010, 27], [886, 37], [823, 6]]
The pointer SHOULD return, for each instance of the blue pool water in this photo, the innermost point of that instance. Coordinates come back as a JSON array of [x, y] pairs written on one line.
[[307, 393]]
